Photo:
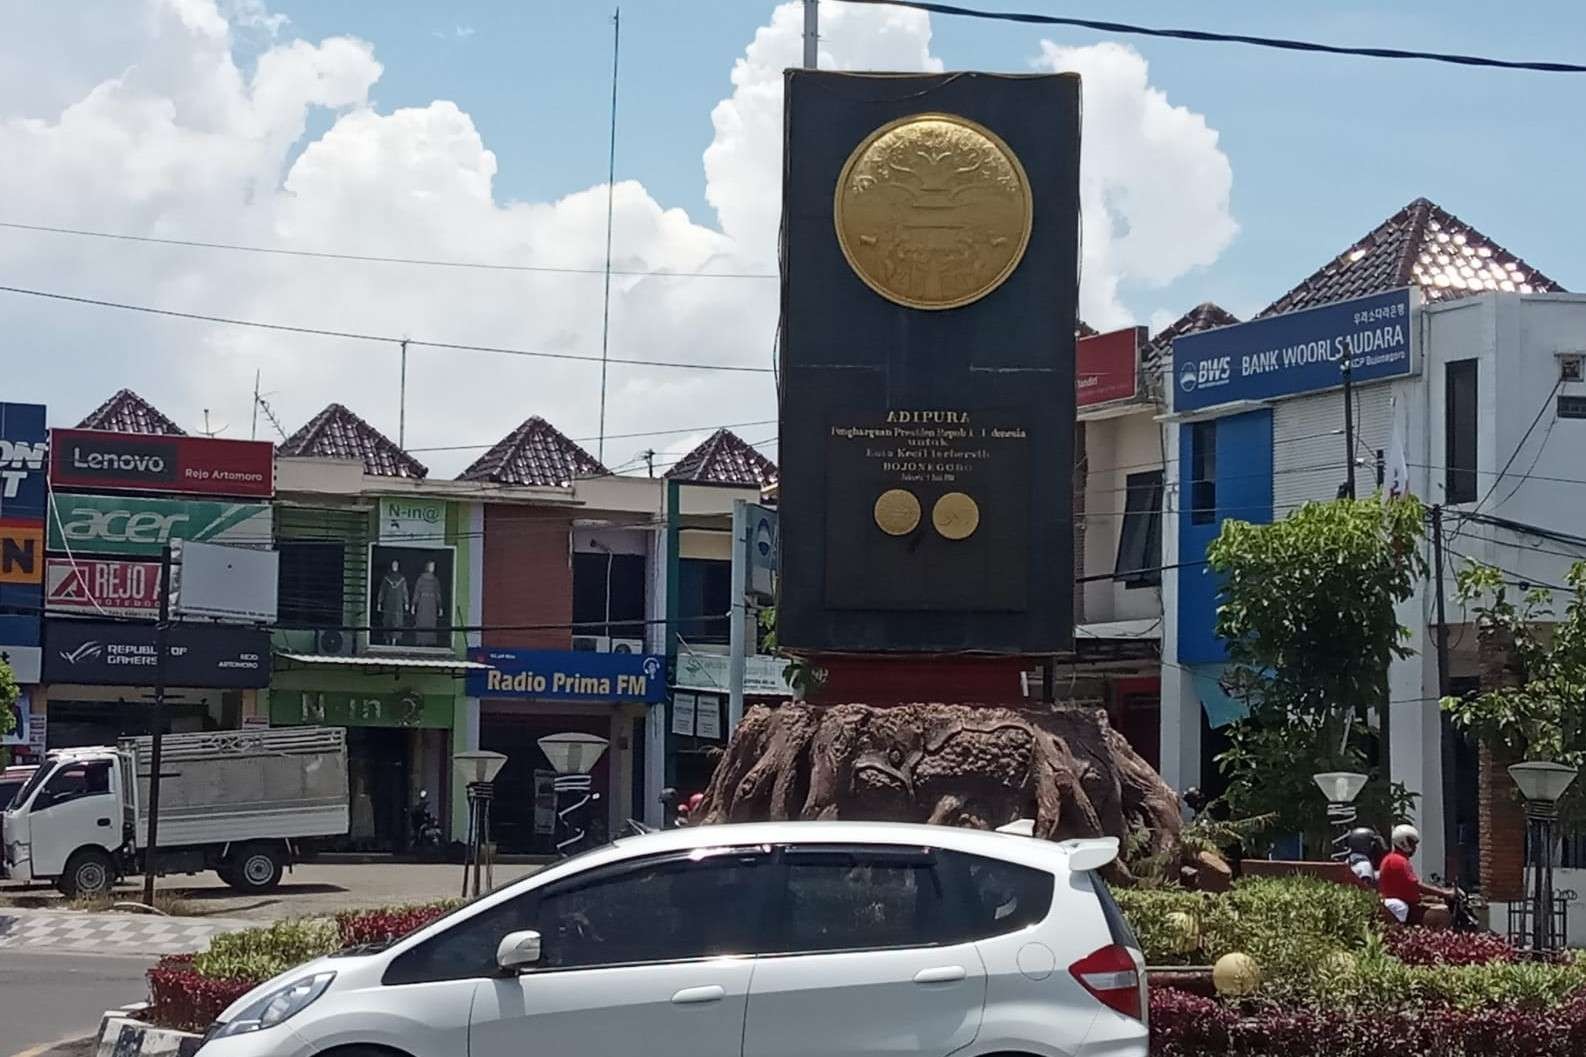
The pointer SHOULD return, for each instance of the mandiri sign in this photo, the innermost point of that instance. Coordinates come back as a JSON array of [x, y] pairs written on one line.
[[1298, 352], [573, 675]]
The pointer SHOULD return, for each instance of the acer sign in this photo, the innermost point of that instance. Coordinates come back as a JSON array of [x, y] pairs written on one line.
[[105, 653], [98, 524], [88, 458], [102, 587]]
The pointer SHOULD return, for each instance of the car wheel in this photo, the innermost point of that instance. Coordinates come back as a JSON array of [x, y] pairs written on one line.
[[257, 868], [89, 873]]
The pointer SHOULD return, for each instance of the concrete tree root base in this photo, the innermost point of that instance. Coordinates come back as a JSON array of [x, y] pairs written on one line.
[[959, 765]]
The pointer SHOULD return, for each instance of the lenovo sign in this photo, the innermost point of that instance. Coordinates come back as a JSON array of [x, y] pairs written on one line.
[[98, 524], [87, 458], [100, 587]]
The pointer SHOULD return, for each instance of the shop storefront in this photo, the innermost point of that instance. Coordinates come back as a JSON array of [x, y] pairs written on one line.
[[699, 723], [400, 714], [23, 450], [525, 695], [100, 680]]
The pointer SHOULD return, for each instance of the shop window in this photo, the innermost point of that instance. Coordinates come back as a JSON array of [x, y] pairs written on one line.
[[1459, 430], [705, 587], [310, 583], [608, 594], [1203, 473], [1140, 541]]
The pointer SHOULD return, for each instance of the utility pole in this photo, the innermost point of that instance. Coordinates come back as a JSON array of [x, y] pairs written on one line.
[[1349, 426], [402, 400], [150, 858], [1450, 831], [737, 631], [611, 181], [253, 434], [812, 25]]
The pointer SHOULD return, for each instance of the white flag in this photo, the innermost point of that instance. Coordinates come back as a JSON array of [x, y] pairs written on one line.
[[1396, 470]]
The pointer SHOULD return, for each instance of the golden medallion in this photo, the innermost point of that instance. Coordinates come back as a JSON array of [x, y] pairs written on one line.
[[933, 211], [956, 516], [897, 512]]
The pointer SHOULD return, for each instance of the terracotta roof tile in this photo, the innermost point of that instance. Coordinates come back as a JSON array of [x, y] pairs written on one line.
[[127, 412], [1084, 330], [1422, 245], [1204, 316], [536, 454], [725, 458], [337, 433]]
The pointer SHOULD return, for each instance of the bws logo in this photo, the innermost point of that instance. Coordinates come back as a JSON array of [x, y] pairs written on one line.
[[1206, 374], [18, 458], [21, 552]]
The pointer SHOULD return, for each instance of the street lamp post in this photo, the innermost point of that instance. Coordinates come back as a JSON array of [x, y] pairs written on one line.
[[1542, 784], [477, 771], [1340, 788], [573, 754]]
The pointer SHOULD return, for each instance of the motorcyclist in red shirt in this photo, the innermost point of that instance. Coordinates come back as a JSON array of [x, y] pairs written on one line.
[[1401, 889]]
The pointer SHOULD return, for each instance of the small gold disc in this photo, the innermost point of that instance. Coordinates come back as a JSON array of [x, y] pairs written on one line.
[[897, 512], [955, 516], [933, 211]]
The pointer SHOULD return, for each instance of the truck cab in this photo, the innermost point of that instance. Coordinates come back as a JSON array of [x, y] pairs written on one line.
[[72, 821]]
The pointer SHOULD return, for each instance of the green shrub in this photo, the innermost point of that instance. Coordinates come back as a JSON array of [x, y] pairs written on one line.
[[258, 954]]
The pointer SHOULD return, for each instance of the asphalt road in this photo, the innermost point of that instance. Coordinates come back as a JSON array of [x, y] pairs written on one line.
[[48, 997]]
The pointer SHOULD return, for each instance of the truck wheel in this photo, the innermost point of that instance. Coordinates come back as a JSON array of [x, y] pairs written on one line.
[[257, 868], [88, 873]]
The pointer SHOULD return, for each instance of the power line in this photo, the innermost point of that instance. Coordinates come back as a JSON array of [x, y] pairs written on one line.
[[350, 335], [1207, 36], [612, 436], [370, 258]]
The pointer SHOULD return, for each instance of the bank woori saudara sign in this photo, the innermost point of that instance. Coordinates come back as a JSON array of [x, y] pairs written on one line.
[[1297, 352]]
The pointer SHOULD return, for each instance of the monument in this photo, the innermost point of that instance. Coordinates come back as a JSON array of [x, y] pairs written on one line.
[[929, 283]]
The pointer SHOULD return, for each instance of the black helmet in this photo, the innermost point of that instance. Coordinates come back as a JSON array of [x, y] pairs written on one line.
[[668, 796], [1362, 840]]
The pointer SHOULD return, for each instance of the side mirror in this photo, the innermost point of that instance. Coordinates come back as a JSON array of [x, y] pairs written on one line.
[[518, 950]]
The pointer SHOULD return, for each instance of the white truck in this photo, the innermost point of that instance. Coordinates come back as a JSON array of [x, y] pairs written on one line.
[[242, 803]]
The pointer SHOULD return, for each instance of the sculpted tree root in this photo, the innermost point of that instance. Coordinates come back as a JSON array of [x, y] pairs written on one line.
[[956, 765]]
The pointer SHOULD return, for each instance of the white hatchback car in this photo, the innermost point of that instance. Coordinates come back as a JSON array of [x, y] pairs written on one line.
[[795, 939]]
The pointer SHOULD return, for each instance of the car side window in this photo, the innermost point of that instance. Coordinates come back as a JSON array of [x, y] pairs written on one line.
[[465, 951], [1003, 896], [860, 898], [675, 909], [77, 781]]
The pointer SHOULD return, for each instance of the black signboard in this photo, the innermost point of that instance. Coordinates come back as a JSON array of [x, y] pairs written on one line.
[[1571, 406], [929, 281], [102, 653]]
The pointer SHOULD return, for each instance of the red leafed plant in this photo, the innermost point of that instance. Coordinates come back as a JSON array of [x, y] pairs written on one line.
[[358, 927], [182, 998], [1417, 946]]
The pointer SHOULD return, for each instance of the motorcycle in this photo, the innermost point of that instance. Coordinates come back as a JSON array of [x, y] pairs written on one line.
[[424, 829]]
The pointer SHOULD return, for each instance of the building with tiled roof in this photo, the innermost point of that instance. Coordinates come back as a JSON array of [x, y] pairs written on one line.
[[1084, 330], [337, 433], [1421, 245], [1204, 316], [536, 454], [725, 458], [127, 412]]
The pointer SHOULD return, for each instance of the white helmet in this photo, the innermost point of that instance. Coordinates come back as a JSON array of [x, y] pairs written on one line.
[[1405, 836]]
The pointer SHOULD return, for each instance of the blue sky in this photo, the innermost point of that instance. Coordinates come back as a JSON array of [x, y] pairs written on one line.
[[1322, 147]]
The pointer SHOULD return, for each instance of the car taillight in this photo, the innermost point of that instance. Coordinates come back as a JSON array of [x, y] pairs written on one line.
[[1113, 976]]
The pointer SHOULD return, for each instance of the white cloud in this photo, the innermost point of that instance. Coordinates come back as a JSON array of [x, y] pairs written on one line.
[[161, 132]]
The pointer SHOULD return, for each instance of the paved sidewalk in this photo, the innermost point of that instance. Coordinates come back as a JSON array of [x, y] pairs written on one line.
[[112, 933]]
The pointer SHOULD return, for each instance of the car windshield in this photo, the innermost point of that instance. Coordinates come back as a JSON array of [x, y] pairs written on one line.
[[35, 780]]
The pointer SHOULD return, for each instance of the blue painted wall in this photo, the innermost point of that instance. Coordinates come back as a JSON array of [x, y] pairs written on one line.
[[1244, 493]]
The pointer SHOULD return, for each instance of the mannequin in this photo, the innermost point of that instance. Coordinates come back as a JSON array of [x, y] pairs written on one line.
[[392, 604], [427, 603]]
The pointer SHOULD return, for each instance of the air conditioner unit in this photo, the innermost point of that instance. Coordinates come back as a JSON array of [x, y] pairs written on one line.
[[627, 645], [1571, 367], [334, 642], [591, 644]]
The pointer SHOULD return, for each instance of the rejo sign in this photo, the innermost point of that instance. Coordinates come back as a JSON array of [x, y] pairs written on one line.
[[1298, 352], [87, 458], [122, 525]]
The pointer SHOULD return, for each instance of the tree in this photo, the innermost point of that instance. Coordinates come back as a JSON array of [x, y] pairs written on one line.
[[1542, 716], [9, 692], [1308, 618]]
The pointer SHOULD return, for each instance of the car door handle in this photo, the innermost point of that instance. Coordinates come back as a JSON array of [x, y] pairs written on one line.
[[695, 996], [104, 822], [944, 974]]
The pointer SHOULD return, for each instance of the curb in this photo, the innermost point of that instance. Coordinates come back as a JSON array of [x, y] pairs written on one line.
[[122, 1035]]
